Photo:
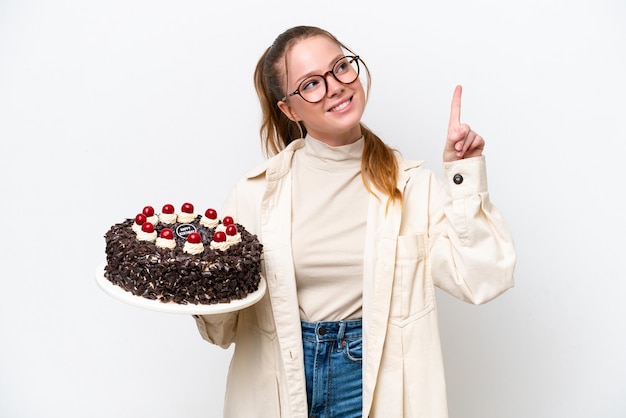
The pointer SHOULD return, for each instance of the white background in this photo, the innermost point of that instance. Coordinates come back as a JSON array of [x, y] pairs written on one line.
[[106, 107]]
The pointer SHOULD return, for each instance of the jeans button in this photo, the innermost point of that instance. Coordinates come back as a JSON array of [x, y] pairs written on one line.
[[321, 330]]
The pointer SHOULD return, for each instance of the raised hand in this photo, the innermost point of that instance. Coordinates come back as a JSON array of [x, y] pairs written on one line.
[[462, 142]]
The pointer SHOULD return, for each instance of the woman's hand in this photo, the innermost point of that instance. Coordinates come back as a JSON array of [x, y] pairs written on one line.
[[462, 142]]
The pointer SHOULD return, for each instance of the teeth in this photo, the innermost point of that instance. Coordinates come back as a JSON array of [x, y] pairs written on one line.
[[340, 106]]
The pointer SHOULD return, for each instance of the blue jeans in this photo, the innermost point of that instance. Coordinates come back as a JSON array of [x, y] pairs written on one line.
[[333, 356]]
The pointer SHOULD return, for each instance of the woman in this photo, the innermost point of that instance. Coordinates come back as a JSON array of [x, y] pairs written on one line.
[[355, 239]]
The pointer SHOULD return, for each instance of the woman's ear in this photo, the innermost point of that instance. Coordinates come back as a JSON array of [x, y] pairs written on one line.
[[288, 111]]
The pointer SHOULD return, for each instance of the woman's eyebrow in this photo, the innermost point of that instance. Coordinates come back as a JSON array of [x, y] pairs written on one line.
[[315, 72]]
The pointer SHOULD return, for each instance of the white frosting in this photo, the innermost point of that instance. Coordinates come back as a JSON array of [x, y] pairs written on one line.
[[136, 228], [167, 218], [154, 219], [193, 248], [220, 245], [233, 239], [184, 217], [165, 243], [147, 236], [208, 222]]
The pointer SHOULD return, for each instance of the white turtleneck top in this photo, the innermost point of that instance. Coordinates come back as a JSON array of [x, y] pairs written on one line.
[[329, 215]]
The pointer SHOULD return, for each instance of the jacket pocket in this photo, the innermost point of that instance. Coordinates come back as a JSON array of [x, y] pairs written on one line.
[[413, 291]]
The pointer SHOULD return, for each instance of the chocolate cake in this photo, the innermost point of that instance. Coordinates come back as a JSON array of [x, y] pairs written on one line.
[[183, 258]]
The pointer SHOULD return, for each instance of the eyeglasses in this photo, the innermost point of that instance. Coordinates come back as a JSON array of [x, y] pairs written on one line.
[[314, 88]]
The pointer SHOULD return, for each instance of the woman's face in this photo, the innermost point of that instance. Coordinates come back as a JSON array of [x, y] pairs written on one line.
[[335, 119]]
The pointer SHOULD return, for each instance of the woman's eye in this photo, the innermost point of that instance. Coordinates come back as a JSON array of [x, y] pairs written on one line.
[[309, 84], [341, 67]]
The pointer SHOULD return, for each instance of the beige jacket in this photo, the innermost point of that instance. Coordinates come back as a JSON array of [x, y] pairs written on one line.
[[445, 234]]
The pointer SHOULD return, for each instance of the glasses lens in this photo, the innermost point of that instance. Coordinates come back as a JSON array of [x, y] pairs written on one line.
[[345, 70], [313, 89]]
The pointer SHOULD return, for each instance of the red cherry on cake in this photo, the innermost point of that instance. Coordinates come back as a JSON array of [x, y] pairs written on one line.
[[194, 238], [231, 230], [219, 236], [211, 213], [148, 211], [187, 208], [168, 209], [147, 227], [140, 219], [228, 220], [167, 233]]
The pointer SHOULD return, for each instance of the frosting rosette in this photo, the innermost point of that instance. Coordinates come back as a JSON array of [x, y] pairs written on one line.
[[167, 218], [146, 236], [191, 248], [223, 245], [209, 219], [185, 217], [136, 227], [208, 222], [165, 243], [233, 239]]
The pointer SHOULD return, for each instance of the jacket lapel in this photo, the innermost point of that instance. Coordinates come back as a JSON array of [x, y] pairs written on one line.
[[276, 226]]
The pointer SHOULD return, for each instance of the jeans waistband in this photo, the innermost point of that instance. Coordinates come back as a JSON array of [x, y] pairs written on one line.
[[332, 330]]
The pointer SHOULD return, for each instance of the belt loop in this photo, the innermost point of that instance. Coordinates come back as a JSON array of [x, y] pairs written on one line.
[[341, 332]]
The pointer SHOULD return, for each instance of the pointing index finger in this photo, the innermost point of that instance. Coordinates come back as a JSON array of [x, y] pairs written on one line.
[[455, 109]]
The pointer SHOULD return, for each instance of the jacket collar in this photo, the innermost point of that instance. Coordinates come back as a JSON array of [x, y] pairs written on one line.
[[278, 165]]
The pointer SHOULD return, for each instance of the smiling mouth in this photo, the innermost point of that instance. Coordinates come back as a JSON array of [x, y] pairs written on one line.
[[340, 106]]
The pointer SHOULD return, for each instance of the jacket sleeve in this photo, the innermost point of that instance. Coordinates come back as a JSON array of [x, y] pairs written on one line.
[[472, 251], [218, 329]]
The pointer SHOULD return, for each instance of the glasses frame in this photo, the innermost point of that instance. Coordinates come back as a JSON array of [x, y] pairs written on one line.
[[355, 58]]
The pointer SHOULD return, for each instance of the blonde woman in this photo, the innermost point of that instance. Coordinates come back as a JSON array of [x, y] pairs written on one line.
[[355, 238]]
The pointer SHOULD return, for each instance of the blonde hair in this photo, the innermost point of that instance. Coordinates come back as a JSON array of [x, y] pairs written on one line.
[[379, 167]]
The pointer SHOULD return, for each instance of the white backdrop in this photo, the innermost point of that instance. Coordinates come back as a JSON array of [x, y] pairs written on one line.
[[106, 107]]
